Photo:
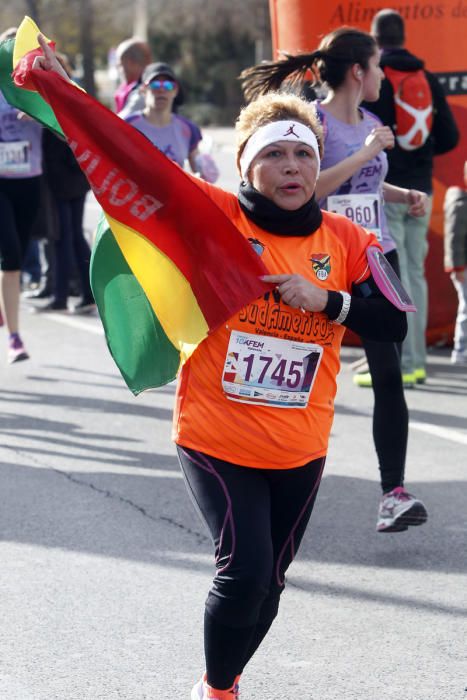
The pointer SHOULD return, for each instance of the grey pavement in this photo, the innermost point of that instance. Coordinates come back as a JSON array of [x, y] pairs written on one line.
[[105, 566]]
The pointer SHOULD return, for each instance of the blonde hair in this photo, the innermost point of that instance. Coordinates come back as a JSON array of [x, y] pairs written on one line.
[[275, 107]]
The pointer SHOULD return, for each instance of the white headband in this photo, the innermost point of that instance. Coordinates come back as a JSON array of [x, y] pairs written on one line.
[[276, 131]]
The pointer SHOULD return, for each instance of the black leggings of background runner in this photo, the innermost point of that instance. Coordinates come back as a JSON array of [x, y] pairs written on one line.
[[390, 413], [19, 205], [257, 518]]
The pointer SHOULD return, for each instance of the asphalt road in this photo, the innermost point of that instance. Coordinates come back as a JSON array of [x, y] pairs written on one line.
[[105, 565]]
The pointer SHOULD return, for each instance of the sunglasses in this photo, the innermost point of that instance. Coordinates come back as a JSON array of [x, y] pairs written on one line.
[[167, 85]]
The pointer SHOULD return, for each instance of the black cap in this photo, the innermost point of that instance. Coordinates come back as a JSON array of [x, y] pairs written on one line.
[[154, 69]]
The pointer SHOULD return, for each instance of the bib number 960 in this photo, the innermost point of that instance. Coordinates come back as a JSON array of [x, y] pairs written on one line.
[[361, 209]]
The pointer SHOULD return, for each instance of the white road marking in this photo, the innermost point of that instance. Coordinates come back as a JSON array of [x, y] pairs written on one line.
[[438, 431], [76, 323]]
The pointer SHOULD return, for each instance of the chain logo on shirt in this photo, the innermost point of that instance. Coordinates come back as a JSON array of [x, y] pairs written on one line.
[[321, 263], [257, 246]]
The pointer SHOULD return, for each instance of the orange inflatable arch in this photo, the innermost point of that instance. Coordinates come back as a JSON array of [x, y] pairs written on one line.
[[436, 32]]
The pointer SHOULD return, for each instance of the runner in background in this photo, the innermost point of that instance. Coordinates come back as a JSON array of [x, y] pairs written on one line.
[[352, 183], [20, 170], [176, 136]]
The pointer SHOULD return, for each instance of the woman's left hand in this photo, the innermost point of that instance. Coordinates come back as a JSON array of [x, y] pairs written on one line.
[[418, 202], [298, 292]]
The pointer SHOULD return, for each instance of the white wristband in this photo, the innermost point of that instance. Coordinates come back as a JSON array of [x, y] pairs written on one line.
[[346, 298]]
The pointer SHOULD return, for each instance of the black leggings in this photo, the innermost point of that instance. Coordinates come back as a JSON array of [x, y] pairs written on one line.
[[71, 246], [19, 205], [390, 413], [257, 518]]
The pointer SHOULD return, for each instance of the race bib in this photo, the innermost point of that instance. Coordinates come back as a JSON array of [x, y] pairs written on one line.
[[362, 209], [270, 371], [15, 157]]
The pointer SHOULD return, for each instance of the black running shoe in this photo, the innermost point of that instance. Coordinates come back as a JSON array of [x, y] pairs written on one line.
[[85, 306], [53, 305]]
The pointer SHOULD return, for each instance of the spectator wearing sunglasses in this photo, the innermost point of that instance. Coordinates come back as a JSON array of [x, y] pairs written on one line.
[[176, 136]]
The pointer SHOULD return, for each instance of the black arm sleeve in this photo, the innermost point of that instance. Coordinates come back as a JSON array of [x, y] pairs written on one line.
[[371, 315]]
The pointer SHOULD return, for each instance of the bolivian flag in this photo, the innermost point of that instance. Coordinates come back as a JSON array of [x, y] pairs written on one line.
[[172, 267]]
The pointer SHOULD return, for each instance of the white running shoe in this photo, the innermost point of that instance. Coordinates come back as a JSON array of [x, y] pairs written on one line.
[[16, 349], [398, 509], [197, 692]]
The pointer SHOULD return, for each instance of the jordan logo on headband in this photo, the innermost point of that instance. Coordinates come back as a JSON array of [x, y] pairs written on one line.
[[290, 131]]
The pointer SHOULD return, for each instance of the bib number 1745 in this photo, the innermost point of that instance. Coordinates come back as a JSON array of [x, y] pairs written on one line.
[[270, 371]]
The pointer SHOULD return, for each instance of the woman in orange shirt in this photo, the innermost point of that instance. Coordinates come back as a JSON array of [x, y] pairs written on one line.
[[255, 400]]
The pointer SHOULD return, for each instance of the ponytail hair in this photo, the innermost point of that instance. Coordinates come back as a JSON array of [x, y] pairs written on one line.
[[269, 76], [338, 51]]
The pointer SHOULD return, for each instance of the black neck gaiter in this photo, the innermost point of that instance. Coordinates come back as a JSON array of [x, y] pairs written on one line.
[[268, 216]]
